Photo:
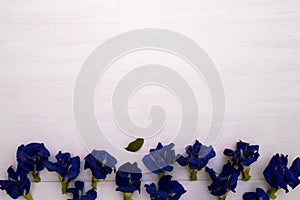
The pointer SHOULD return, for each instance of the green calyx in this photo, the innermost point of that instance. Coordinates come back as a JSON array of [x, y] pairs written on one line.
[[36, 176], [223, 197], [127, 196], [272, 193], [246, 173], [161, 175], [28, 196], [94, 182], [64, 184], [193, 174]]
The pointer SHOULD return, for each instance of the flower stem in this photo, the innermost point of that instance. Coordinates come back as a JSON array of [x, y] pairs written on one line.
[[28, 196], [36, 176], [193, 174], [127, 196], [161, 175], [271, 193], [246, 173], [94, 182]]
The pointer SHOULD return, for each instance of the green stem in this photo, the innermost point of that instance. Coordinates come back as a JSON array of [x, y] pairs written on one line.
[[36, 176], [94, 182], [272, 193], [127, 196], [246, 173], [28, 196], [193, 174], [161, 175]]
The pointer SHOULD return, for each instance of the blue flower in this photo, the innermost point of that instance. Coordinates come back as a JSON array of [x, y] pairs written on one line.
[[32, 158], [67, 168], [160, 159], [78, 193], [167, 189], [224, 182], [244, 155], [128, 179], [260, 194], [197, 158], [101, 163], [17, 184], [278, 175]]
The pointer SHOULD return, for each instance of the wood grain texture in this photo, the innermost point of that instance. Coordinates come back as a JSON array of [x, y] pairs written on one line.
[[255, 46]]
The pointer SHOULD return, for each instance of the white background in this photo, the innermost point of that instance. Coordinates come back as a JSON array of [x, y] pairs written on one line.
[[255, 46]]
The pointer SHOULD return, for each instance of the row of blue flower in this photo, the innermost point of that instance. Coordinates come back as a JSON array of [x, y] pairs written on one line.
[[34, 157]]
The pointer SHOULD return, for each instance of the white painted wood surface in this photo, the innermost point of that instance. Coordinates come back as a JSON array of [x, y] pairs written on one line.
[[255, 46]]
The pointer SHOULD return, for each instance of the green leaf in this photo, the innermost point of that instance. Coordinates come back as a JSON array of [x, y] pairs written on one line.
[[135, 145]]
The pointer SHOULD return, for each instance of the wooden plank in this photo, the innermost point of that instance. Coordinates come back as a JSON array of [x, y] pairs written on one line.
[[255, 46]]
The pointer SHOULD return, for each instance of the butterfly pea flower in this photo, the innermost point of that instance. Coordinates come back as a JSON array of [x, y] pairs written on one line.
[[278, 175], [101, 163], [17, 184], [224, 182], [197, 158], [32, 158], [67, 168], [260, 194], [78, 193], [160, 159], [244, 155], [167, 189], [128, 179]]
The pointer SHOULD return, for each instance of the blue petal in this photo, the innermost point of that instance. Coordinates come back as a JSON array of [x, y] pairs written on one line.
[[253, 148], [232, 183], [11, 187], [250, 196], [295, 167], [164, 181], [197, 146], [262, 194], [280, 180], [104, 157], [150, 164], [251, 159], [63, 157], [228, 152], [207, 152], [220, 192], [242, 146], [74, 168], [269, 171], [150, 189], [91, 194], [211, 173], [79, 185], [182, 160], [12, 174]]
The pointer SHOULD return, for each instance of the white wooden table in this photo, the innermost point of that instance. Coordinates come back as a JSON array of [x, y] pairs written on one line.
[[255, 46]]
